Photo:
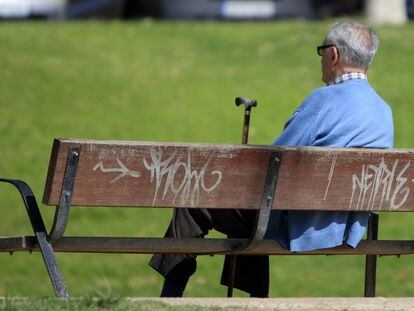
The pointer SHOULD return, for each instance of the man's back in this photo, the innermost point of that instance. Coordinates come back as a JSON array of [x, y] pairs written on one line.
[[348, 114]]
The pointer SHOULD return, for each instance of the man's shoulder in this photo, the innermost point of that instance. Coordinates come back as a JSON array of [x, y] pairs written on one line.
[[354, 103], [358, 93], [322, 92], [344, 89], [330, 93], [318, 98]]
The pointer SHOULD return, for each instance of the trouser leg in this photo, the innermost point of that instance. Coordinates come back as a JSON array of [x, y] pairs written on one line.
[[178, 268], [177, 278], [251, 272], [251, 276], [186, 223]]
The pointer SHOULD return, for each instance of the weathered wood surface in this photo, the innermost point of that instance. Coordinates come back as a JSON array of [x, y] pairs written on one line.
[[195, 246], [146, 174]]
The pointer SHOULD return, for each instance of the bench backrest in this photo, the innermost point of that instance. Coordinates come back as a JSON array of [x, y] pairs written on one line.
[[153, 174]]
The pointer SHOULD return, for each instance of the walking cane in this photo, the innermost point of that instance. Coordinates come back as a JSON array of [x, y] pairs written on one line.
[[248, 104]]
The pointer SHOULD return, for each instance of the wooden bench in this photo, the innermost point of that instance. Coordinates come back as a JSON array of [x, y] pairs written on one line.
[[150, 174]]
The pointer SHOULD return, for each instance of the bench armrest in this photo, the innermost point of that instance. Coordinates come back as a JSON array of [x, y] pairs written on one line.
[[30, 204], [41, 235]]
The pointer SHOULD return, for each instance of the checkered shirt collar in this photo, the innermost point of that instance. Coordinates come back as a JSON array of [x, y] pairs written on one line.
[[349, 76]]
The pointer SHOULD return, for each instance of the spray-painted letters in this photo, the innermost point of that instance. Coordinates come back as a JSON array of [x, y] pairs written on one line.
[[121, 169], [380, 184], [178, 177]]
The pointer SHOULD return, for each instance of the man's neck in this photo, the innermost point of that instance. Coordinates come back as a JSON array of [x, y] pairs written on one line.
[[348, 76]]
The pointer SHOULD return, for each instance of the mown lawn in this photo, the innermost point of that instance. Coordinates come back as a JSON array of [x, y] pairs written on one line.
[[161, 81], [93, 303]]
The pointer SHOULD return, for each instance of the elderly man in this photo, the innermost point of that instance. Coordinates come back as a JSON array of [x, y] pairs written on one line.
[[345, 113]]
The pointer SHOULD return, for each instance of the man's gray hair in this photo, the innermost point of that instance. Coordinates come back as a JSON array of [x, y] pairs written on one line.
[[356, 43]]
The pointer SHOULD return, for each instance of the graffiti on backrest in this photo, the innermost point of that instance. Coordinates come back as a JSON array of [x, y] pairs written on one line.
[[178, 177], [122, 169], [380, 183], [331, 171]]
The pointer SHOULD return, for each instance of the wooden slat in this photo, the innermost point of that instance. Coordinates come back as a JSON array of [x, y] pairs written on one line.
[[148, 174], [195, 246], [18, 243]]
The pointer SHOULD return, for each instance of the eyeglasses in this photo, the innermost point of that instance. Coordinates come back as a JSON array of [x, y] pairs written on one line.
[[322, 47]]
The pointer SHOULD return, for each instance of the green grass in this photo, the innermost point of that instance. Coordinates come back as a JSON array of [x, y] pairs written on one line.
[[92, 304], [172, 82]]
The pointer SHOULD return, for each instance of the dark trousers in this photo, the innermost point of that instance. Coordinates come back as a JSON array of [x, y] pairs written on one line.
[[252, 272]]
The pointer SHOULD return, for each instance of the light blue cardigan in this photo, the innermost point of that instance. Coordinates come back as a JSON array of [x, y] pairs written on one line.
[[349, 114]]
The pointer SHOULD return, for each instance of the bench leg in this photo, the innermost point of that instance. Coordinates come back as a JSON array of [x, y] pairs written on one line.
[[232, 272], [371, 260], [52, 268], [41, 236]]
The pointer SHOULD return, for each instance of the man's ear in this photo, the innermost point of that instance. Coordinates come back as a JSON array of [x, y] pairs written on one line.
[[335, 55]]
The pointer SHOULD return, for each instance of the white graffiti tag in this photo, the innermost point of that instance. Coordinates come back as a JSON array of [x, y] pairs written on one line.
[[330, 176], [122, 169], [178, 176], [379, 182]]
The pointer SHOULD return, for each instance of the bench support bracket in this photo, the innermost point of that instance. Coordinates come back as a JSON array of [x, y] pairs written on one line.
[[262, 218], [41, 236], [62, 210]]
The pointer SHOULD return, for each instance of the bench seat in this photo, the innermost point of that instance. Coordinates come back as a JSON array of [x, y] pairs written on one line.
[[206, 246]]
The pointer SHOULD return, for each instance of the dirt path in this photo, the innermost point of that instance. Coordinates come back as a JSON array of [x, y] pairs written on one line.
[[378, 303]]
